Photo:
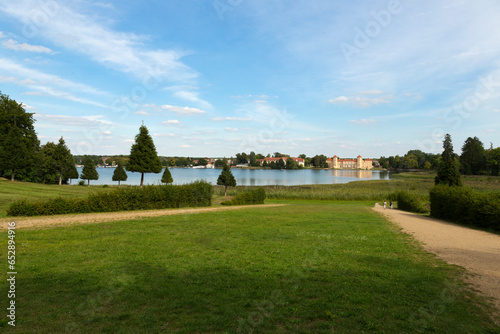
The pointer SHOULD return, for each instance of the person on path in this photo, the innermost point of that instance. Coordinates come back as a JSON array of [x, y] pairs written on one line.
[[390, 204], [385, 204]]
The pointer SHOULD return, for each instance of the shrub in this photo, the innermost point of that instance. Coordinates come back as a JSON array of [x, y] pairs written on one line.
[[466, 206], [254, 196], [411, 202], [198, 193]]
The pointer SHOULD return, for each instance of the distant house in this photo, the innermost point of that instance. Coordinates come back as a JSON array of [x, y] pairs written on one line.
[[299, 161], [358, 163]]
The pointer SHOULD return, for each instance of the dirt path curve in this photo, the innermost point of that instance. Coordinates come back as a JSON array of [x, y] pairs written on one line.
[[92, 218], [477, 251]]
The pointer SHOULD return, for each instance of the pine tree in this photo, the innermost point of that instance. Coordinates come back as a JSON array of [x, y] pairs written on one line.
[[63, 160], [88, 171], [143, 156], [119, 174], [167, 177], [226, 178], [448, 173]]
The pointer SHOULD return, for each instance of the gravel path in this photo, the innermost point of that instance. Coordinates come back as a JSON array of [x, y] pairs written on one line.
[[477, 251], [92, 218]]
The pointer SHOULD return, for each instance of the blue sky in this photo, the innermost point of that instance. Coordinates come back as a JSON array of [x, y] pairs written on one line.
[[217, 77]]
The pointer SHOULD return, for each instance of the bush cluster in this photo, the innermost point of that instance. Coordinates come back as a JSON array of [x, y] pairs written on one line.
[[198, 193], [412, 202], [254, 196], [466, 206]]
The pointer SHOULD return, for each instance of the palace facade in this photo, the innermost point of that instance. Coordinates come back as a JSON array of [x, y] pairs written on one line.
[[358, 163]]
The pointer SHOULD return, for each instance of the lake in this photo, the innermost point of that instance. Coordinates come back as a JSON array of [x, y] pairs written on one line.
[[247, 177]]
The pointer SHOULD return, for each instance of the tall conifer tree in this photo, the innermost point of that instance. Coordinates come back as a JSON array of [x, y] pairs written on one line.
[[143, 156], [88, 171], [63, 160], [448, 173]]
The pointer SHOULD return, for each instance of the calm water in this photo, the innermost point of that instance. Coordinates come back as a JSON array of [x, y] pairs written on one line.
[[247, 177]]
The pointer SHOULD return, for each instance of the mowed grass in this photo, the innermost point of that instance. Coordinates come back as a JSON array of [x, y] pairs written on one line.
[[307, 267]]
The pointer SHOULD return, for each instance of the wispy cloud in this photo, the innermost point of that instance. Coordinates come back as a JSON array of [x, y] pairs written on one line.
[[14, 45], [171, 122], [183, 110], [363, 121], [28, 76], [360, 101], [192, 97], [119, 50], [7, 79], [81, 122], [228, 118]]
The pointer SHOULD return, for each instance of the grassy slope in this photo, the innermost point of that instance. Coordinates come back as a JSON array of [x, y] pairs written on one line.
[[312, 266], [13, 191]]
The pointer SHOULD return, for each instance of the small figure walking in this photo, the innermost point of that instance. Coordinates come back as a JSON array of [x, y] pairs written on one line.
[[385, 204], [390, 204]]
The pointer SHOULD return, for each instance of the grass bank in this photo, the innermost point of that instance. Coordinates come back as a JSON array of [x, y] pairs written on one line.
[[308, 267], [15, 191]]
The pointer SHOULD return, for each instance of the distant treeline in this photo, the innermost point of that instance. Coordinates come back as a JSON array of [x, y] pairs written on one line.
[[474, 159]]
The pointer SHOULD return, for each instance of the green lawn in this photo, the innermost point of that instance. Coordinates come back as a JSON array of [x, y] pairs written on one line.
[[308, 267]]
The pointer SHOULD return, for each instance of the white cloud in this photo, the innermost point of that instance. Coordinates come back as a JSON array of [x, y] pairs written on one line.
[[36, 93], [28, 107], [192, 97], [68, 96], [372, 92], [496, 110], [26, 82], [231, 129], [360, 101], [7, 79], [14, 45], [171, 122], [240, 119], [2, 35], [9, 66], [185, 146], [164, 134], [363, 121], [98, 121], [183, 110]]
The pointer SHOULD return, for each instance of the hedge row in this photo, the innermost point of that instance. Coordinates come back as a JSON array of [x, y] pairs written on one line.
[[466, 206], [412, 202], [254, 196], [195, 194]]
